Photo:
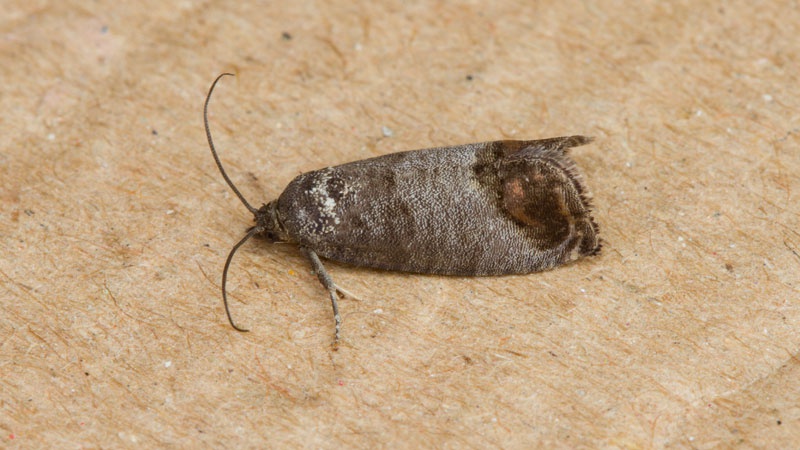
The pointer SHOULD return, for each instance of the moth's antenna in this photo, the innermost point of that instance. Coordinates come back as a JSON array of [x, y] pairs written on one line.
[[249, 234], [247, 205], [214, 151]]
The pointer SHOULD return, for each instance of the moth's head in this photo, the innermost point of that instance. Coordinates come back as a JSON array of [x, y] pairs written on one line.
[[268, 226]]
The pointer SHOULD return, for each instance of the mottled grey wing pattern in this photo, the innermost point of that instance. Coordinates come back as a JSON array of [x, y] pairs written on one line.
[[491, 208]]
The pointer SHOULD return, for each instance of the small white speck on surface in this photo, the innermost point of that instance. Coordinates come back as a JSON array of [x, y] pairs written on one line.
[[51, 136], [378, 311], [170, 212], [167, 364], [767, 97], [387, 132], [699, 113]]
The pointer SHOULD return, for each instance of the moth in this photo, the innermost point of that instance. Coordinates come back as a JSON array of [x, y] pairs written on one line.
[[490, 208]]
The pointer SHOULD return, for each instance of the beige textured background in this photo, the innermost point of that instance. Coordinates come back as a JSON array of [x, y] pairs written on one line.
[[684, 332]]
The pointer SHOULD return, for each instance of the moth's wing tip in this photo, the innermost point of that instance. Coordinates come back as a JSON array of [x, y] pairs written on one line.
[[576, 141]]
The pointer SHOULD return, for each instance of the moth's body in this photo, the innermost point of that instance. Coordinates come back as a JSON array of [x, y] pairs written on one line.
[[493, 208]]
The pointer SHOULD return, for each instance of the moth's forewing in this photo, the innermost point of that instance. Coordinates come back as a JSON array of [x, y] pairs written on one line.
[[491, 208]]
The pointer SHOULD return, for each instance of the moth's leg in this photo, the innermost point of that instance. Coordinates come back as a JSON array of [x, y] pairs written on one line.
[[344, 293], [327, 282]]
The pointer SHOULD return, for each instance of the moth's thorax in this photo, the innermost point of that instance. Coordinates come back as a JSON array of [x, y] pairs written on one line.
[[311, 207], [268, 224]]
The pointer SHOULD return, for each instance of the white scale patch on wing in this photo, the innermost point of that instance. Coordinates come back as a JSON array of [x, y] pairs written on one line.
[[322, 198]]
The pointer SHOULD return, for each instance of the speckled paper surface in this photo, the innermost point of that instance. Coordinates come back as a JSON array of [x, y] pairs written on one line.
[[683, 333]]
